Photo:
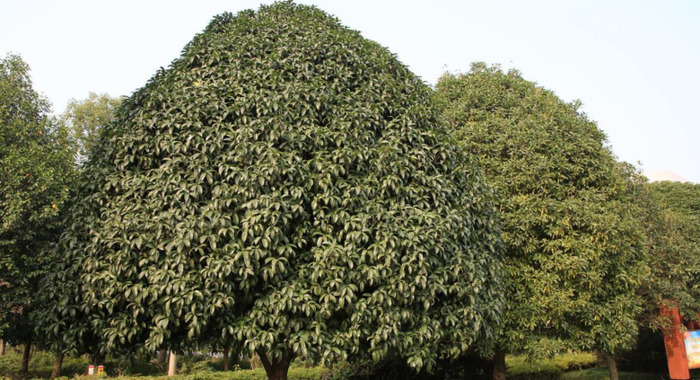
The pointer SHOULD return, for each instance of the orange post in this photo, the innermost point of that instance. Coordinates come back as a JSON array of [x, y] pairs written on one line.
[[675, 346]]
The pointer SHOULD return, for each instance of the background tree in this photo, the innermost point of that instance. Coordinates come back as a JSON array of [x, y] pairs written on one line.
[[36, 172], [670, 213], [86, 117], [62, 320], [289, 177], [574, 253], [674, 210]]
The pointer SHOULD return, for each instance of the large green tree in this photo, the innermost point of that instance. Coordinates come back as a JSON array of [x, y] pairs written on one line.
[[86, 117], [574, 252], [286, 185], [36, 172]]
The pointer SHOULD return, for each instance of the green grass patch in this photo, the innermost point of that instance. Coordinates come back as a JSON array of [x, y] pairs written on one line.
[[197, 367], [40, 365], [193, 367], [602, 374]]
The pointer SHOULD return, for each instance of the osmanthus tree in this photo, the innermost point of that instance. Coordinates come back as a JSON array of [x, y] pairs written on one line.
[[674, 264], [672, 214], [285, 184], [36, 173], [574, 252]]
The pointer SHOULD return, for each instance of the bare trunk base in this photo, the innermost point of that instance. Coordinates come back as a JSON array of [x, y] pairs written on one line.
[[612, 366], [277, 368], [172, 364], [25, 358], [2, 347], [225, 358], [499, 365], [57, 365]]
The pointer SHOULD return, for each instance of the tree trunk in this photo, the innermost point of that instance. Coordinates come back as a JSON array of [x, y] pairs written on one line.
[[97, 359], [499, 365], [57, 364], [172, 365], [162, 355], [612, 366], [277, 368], [225, 358], [2, 347], [25, 357]]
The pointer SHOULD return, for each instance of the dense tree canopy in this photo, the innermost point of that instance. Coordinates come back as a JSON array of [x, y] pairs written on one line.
[[36, 171], [574, 253], [285, 185]]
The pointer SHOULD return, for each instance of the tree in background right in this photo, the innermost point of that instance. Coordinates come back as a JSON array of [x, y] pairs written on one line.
[[670, 214], [575, 253], [675, 240]]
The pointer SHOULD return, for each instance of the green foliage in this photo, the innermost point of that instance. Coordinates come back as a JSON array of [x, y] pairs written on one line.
[[284, 186], [680, 197], [574, 252], [36, 173], [86, 117], [537, 371], [681, 204]]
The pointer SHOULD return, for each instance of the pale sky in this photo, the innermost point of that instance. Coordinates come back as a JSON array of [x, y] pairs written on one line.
[[635, 65]]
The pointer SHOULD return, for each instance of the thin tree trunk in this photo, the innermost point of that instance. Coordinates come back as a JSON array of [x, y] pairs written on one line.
[[499, 365], [57, 365], [25, 357], [225, 358], [97, 359], [277, 368], [162, 355], [612, 366], [172, 364], [2, 347]]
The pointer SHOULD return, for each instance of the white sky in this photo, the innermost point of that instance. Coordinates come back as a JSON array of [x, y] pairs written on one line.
[[634, 64]]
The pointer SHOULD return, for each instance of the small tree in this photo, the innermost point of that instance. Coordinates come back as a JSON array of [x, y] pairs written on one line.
[[574, 252], [36, 172], [288, 178]]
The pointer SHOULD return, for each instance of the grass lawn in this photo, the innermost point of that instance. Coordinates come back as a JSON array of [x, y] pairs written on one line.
[[566, 367]]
